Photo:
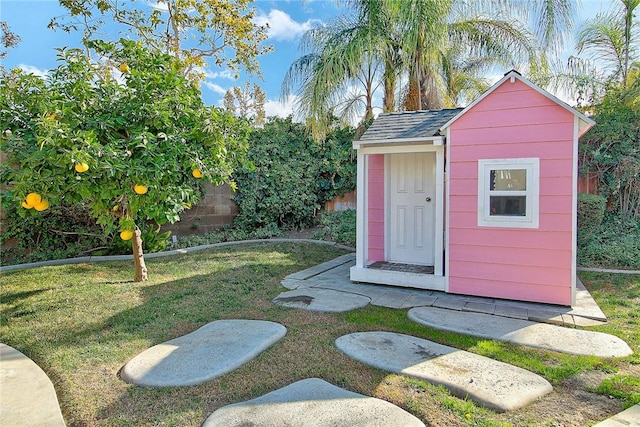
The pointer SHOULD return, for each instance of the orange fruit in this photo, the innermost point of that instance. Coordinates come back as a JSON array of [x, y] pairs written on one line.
[[140, 189], [81, 167], [43, 205], [126, 234], [196, 173], [26, 205], [124, 68], [33, 199]]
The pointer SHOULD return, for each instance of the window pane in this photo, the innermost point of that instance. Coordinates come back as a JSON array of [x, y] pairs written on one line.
[[508, 179], [508, 205]]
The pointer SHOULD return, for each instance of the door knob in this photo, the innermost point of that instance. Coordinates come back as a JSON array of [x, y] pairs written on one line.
[[428, 199]]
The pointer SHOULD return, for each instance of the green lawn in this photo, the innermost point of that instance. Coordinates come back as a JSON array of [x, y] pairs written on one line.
[[82, 323]]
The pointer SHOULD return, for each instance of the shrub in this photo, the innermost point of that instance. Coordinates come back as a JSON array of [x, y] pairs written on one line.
[[290, 176], [611, 150], [65, 231], [62, 231], [339, 226], [591, 209], [615, 244], [227, 235]]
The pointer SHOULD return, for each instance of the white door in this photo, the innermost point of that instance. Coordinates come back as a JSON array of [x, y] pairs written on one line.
[[412, 195]]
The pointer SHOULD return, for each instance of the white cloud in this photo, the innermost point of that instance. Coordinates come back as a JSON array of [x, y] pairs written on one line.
[[281, 26], [279, 108], [30, 69], [215, 88], [225, 74], [159, 5]]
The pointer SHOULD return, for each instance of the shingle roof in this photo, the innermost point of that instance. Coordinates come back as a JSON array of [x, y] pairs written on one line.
[[410, 124]]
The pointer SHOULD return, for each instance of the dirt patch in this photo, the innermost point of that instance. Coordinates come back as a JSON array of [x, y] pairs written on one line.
[[571, 404]]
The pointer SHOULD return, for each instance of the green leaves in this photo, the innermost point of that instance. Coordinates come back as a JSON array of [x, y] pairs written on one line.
[[191, 30], [612, 149], [146, 125], [288, 177]]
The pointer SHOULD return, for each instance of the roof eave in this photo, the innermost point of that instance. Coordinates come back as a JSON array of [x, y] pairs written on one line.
[[435, 140], [515, 75]]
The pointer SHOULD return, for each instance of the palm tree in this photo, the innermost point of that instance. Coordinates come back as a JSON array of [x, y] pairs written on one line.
[[440, 47], [470, 44], [610, 39], [340, 59]]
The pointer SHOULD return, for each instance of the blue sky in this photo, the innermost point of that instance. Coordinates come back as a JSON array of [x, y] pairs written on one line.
[[288, 20]]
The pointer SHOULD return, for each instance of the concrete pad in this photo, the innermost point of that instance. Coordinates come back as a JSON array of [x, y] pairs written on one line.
[[28, 397], [202, 355], [513, 312], [627, 418], [419, 300], [450, 303], [335, 275], [524, 332], [390, 299], [495, 385], [587, 305], [543, 316], [325, 267], [480, 307], [584, 321], [325, 300], [312, 403]]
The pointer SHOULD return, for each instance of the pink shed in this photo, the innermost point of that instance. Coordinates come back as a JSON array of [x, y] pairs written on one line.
[[496, 219]]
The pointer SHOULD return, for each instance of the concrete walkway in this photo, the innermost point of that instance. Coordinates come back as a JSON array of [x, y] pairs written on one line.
[[490, 383], [206, 353], [334, 275], [523, 332], [312, 402], [545, 326], [27, 395]]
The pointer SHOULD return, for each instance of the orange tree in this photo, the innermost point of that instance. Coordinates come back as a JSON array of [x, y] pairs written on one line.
[[128, 136]]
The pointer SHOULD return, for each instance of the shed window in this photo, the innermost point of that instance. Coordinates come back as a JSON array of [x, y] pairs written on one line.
[[508, 193]]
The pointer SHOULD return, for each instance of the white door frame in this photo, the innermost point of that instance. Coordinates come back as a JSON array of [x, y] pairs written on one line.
[[436, 145]]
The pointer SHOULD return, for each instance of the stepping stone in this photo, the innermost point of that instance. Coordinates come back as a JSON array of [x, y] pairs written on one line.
[[207, 353], [627, 418], [492, 384], [325, 300], [312, 403], [28, 396], [524, 332]]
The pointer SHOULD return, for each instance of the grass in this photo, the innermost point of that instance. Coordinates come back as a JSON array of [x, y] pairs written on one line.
[[82, 323]]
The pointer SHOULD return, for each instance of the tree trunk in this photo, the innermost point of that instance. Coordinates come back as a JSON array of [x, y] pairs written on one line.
[[389, 99], [138, 257]]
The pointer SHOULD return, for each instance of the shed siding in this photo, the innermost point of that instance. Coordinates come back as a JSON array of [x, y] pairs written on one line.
[[375, 207], [514, 121]]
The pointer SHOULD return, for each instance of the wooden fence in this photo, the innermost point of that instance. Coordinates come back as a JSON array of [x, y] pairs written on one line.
[[588, 184], [348, 201]]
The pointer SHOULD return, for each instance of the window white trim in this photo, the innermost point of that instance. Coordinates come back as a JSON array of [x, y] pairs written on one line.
[[531, 193]]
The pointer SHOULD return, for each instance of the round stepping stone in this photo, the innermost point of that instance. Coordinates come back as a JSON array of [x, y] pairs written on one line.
[[326, 300], [28, 396], [207, 353], [524, 332], [313, 403], [492, 384]]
